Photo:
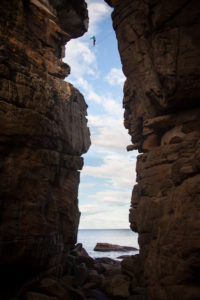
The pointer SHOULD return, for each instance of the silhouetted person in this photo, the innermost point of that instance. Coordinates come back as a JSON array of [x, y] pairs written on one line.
[[94, 40]]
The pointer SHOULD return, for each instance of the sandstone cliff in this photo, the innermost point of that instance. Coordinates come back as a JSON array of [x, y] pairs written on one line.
[[159, 46], [43, 132]]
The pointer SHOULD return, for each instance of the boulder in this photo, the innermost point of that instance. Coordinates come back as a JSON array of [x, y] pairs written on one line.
[[123, 256], [95, 277], [97, 295], [132, 266], [107, 266], [117, 286], [105, 247], [38, 296], [52, 287], [136, 297], [81, 274], [89, 261], [111, 269], [79, 251], [106, 260]]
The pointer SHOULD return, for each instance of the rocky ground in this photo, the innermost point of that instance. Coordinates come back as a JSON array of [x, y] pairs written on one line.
[[84, 278]]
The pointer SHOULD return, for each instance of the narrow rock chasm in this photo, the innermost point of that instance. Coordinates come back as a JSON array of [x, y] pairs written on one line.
[[44, 132]]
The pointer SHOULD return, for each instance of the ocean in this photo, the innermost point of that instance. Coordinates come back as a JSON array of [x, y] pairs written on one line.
[[122, 237]]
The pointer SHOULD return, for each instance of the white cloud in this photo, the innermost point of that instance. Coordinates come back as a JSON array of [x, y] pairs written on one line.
[[81, 59], [87, 185], [111, 139], [91, 95], [110, 105], [83, 83], [91, 209], [97, 12], [113, 197], [115, 77], [118, 170], [105, 217], [101, 120]]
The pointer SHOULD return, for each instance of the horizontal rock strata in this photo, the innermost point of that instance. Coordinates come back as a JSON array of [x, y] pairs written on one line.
[[159, 47], [43, 132]]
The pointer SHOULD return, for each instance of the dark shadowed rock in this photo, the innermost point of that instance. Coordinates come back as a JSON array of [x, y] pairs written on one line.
[[95, 277], [159, 47], [81, 256], [117, 285], [81, 274], [89, 261], [78, 250], [123, 256], [97, 294], [43, 133], [106, 247], [52, 287], [136, 297], [106, 260], [38, 296]]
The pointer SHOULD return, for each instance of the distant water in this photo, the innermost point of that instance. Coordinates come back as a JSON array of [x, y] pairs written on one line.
[[123, 237]]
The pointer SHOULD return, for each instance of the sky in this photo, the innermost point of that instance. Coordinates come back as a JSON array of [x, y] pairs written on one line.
[[108, 174]]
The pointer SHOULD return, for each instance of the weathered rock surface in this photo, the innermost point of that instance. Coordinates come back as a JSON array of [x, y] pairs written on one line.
[[106, 247], [159, 46], [80, 281], [43, 132]]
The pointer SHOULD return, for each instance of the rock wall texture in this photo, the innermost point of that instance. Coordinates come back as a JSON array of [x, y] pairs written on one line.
[[159, 46], [43, 132]]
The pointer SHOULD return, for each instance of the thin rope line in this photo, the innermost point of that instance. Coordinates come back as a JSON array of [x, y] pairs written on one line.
[[102, 40]]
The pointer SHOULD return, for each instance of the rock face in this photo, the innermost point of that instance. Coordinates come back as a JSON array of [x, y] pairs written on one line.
[[43, 132], [159, 46]]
